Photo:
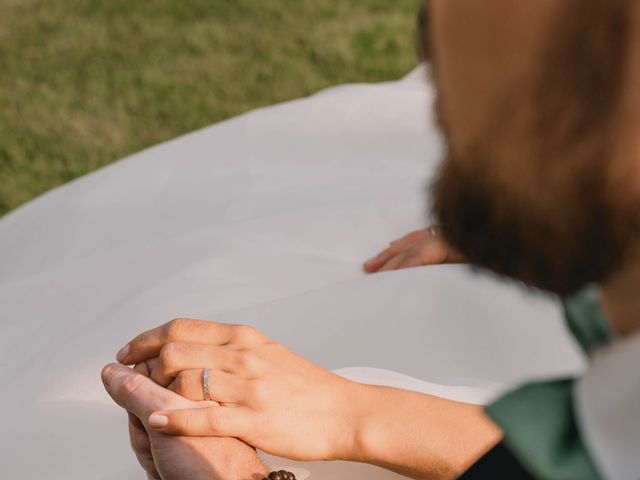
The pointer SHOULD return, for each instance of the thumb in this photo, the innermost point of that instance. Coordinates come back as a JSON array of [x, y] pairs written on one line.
[[203, 421], [137, 393]]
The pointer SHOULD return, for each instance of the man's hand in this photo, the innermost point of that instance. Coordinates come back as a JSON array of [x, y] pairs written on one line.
[[171, 457], [422, 247]]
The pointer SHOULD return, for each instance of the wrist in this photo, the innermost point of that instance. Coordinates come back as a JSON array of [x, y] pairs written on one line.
[[349, 412], [418, 435], [358, 424], [368, 425]]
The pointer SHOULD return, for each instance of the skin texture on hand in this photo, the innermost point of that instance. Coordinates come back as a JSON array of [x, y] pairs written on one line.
[[171, 457], [273, 399], [416, 249]]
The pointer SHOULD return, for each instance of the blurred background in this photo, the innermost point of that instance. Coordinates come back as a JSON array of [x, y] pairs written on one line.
[[86, 82]]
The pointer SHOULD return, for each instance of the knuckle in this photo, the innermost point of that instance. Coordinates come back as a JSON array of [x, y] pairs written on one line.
[[214, 422], [168, 354], [245, 359], [131, 385], [258, 390], [245, 332], [175, 328], [181, 384]]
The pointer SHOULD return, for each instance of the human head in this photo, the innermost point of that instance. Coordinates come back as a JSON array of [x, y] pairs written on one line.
[[535, 184]]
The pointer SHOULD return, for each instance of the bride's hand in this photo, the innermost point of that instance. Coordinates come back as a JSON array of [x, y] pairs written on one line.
[[416, 249], [273, 399]]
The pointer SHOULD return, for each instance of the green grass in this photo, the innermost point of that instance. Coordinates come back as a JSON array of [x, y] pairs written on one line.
[[85, 82]]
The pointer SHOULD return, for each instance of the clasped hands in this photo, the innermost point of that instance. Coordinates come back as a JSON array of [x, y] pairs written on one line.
[[263, 396]]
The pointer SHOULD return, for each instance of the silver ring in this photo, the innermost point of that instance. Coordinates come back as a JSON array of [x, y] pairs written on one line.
[[205, 384], [432, 231]]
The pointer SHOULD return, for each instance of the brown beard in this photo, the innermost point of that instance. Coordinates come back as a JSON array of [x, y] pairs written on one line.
[[532, 198]]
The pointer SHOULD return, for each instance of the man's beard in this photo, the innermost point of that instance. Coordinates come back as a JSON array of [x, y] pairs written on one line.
[[534, 198], [560, 243]]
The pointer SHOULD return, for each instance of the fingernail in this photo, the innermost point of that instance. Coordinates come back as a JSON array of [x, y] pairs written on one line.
[[158, 421], [121, 356], [107, 373]]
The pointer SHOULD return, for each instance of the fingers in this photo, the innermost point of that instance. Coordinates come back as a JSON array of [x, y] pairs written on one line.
[[176, 357], [395, 248], [142, 368], [392, 264], [189, 384], [136, 393], [139, 438], [223, 387], [373, 265], [411, 261], [142, 447], [149, 343], [203, 422], [431, 254], [419, 248]]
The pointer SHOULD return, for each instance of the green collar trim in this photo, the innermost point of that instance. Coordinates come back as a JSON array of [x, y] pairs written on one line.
[[586, 320]]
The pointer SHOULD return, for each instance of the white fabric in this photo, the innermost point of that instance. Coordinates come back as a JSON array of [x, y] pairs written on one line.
[[264, 219], [608, 405]]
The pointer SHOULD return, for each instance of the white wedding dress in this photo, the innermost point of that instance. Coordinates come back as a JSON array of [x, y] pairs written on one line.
[[264, 219]]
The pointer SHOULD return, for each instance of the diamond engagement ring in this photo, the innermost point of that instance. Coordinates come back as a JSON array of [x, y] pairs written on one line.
[[205, 384]]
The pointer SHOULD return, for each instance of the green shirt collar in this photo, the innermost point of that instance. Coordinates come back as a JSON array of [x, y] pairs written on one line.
[[586, 320]]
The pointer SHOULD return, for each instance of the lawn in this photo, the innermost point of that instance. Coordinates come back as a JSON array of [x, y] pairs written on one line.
[[85, 82]]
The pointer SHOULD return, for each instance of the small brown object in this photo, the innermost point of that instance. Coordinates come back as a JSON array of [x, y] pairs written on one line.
[[280, 475]]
